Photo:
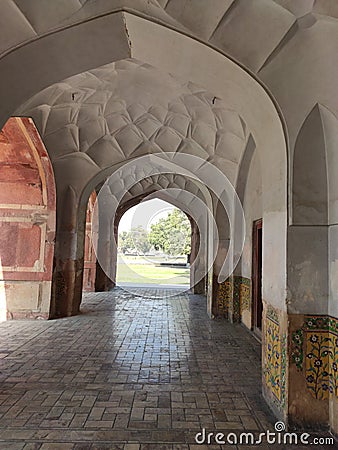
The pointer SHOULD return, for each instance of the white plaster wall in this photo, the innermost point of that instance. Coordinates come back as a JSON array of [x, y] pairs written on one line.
[[308, 269], [253, 210], [331, 139], [273, 290], [333, 270], [304, 73], [274, 253], [223, 227]]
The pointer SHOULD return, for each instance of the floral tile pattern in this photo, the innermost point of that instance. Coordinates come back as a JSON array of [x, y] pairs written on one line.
[[234, 296], [297, 354], [317, 363], [275, 360], [333, 359], [224, 297], [245, 294], [314, 350], [235, 307], [272, 314], [284, 343]]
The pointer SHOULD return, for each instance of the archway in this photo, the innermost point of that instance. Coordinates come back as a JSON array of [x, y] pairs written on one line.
[[27, 222], [298, 280], [186, 194], [153, 249], [89, 265], [312, 297], [77, 165]]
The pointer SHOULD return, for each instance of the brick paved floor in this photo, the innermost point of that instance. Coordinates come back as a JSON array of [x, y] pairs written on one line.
[[128, 373]]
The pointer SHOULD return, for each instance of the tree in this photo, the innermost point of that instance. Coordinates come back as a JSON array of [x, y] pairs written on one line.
[[134, 240], [140, 238], [125, 243], [172, 234]]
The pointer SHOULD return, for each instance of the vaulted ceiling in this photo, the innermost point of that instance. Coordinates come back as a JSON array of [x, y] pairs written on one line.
[[93, 116], [239, 27], [127, 109]]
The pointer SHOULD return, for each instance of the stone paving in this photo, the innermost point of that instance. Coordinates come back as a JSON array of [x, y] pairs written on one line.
[[129, 373]]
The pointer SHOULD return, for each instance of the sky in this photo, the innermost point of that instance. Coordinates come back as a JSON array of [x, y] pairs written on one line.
[[144, 214]]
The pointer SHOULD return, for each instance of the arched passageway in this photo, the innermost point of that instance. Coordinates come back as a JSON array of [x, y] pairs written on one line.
[[90, 261], [184, 81], [27, 222], [154, 241]]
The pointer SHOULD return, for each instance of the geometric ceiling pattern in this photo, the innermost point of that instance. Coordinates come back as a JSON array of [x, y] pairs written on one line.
[[163, 182], [222, 24], [127, 109]]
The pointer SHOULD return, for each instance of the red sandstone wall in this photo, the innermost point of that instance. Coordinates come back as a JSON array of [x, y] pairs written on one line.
[[27, 221], [89, 271]]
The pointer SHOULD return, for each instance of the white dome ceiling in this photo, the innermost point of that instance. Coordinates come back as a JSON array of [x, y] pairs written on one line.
[[127, 109]]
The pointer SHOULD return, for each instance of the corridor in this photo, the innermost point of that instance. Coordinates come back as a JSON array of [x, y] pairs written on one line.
[[130, 372], [148, 371]]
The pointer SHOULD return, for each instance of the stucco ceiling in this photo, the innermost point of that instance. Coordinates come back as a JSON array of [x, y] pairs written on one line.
[[95, 118], [127, 109], [221, 22]]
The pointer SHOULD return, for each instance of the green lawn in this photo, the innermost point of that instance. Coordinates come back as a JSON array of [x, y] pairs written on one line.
[[150, 259], [139, 270]]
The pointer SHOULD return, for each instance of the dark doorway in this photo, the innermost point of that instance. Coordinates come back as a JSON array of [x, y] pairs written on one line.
[[257, 251]]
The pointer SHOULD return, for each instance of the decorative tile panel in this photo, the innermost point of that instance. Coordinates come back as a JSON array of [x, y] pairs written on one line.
[[317, 363], [284, 344], [245, 294], [297, 354], [224, 296], [314, 350], [333, 362], [234, 296], [272, 314], [275, 358], [235, 306]]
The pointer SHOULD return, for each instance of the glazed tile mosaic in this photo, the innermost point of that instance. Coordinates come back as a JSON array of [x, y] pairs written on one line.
[[272, 314], [235, 305], [297, 354], [234, 296], [317, 363], [245, 294], [275, 364], [224, 297], [315, 352]]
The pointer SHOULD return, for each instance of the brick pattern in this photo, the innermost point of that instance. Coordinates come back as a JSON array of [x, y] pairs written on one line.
[[131, 372]]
